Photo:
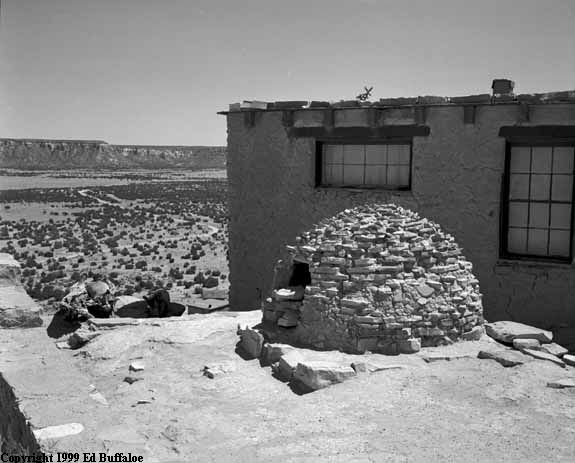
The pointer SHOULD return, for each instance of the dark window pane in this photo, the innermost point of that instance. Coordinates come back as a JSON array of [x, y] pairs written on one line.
[[519, 186], [541, 159], [561, 216], [537, 242], [540, 186], [353, 175], [376, 154], [563, 160], [520, 159], [539, 215], [559, 243], [562, 188], [353, 154], [517, 240], [518, 214]]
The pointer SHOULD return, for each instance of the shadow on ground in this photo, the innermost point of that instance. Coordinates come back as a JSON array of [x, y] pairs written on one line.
[[59, 327]]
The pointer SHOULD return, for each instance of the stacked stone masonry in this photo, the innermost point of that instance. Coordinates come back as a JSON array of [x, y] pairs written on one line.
[[383, 279]]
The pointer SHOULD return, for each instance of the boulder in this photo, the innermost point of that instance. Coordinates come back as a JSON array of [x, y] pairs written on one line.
[[553, 349], [17, 309], [507, 331], [287, 365], [130, 306], [569, 360], [289, 319], [252, 342], [409, 346], [544, 356], [317, 375], [272, 353], [215, 293], [474, 334], [507, 358], [81, 337], [526, 343]]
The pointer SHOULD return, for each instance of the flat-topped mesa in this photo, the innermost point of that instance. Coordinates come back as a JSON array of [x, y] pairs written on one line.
[[375, 278]]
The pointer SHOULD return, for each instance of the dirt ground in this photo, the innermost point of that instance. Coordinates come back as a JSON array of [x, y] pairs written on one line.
[[461, 410]]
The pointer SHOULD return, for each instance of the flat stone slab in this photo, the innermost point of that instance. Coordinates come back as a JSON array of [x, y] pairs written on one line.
[[438, 356], [569, 360], [110, 323], [544, 356], [553, 349], [59, 431], [17, 309], [317, 375], [507, 358], [507, 331], [562, 383], [526, 343], [207, 305]]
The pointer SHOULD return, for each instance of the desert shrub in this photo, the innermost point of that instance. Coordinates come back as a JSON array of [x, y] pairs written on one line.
[[211, 282], [199, 278], [141, 264], [157, 269]]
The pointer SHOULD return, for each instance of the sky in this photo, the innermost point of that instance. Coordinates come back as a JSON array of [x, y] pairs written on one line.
[[157, 72]]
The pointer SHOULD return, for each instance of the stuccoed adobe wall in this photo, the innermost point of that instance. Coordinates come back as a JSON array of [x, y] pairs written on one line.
[[457, 174]]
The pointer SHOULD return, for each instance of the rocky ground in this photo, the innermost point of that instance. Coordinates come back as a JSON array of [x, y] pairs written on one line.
[[140, 236], [454, 408]]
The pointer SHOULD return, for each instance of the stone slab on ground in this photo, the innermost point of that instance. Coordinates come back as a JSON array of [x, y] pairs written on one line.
[[507, 331], [17, 309], [507, 358], [526, 343], [288, 363], [207, 305], [111, 323], [562, 383], [317, 375], [540, 355], [272, 353], [569, 360], [553, 349]]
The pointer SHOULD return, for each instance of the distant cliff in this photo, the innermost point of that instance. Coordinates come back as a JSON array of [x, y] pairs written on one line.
[[83, 154]]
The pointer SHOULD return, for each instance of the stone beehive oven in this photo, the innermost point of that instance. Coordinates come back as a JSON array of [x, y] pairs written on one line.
[[375, 278]]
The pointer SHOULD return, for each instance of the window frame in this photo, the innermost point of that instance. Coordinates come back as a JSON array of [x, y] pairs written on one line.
[[319, 143], [504, 217]]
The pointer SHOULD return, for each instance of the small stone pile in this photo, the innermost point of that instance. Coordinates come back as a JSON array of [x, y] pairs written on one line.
[[383, 279], [528, 340]]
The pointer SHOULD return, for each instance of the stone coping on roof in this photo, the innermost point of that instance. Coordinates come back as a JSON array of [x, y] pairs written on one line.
[[567, 96]]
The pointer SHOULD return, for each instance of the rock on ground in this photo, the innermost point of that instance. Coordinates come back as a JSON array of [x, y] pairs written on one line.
[[562, 383], [507, 358], [544, 356], [251, 341], [507, 331], [317, 375], [553, 349], [526, 343], [569, 360]]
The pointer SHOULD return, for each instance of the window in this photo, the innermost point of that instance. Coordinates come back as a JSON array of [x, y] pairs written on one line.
[[373, 165], [538, 208]]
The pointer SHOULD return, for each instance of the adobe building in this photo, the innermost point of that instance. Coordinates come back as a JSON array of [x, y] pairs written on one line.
[[493, 171]]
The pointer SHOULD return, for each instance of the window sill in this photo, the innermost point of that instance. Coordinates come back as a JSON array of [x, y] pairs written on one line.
[[501, 262], [360, 189]]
